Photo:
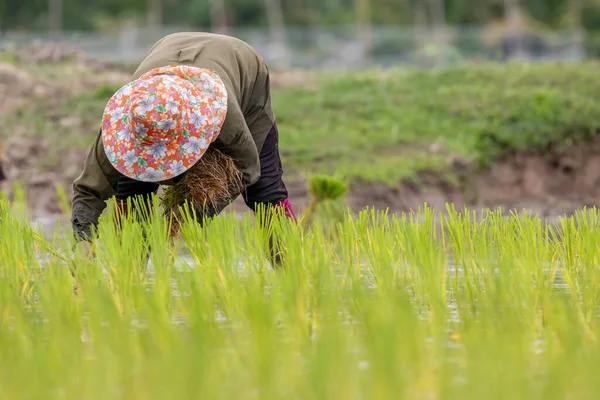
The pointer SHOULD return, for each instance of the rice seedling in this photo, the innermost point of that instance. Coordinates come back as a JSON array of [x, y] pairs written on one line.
[[456, 306], [325, 204]]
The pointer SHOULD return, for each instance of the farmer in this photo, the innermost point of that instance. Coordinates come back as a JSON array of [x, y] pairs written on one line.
[[191, 91]]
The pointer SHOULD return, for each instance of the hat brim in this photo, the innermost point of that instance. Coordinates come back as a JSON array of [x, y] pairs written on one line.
[[185, 141]]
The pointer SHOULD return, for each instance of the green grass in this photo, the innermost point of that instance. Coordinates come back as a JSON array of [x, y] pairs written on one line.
[[379, 312], [379, 126]]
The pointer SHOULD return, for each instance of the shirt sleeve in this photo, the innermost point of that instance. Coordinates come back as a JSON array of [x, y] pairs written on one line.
[[96, 184], [270, 188], [237, 142]]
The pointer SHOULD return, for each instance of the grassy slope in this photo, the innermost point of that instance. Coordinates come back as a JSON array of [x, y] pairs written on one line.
[[381, 126], [386, 126]]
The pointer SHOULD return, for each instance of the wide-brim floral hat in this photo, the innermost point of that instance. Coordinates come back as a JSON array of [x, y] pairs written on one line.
[[158, 126]]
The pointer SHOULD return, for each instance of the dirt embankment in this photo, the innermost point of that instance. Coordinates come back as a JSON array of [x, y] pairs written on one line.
[[31, 156], [553, 184]]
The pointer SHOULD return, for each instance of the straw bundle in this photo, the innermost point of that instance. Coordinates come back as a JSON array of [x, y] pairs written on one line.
[[210, 182]]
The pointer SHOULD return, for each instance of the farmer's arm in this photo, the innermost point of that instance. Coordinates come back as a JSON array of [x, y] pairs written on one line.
[[95, 184], [270, 188], [236, 141]]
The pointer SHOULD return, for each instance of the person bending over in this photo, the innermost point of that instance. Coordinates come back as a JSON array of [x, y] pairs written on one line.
[[192, 93]]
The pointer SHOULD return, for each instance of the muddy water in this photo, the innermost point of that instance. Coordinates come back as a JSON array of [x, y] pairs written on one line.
[[56, 224]]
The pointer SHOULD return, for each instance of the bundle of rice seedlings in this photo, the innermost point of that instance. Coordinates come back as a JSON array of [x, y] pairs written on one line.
[[326, 188], [326, 192], [212, 181]]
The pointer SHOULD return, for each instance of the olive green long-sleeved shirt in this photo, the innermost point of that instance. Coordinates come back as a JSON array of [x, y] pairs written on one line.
[[249, 115]]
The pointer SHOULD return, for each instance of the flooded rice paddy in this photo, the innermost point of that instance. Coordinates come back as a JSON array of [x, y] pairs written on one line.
[[502, 306]]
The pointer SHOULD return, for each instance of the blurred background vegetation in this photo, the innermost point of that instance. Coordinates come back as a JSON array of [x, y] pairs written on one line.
[[322, 33]]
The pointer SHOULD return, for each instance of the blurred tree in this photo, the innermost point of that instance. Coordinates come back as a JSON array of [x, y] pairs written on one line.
[[154, 12], [217, 14], [551, 12], [590, 14], [277, 32], [363, 28], [55, 18]]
